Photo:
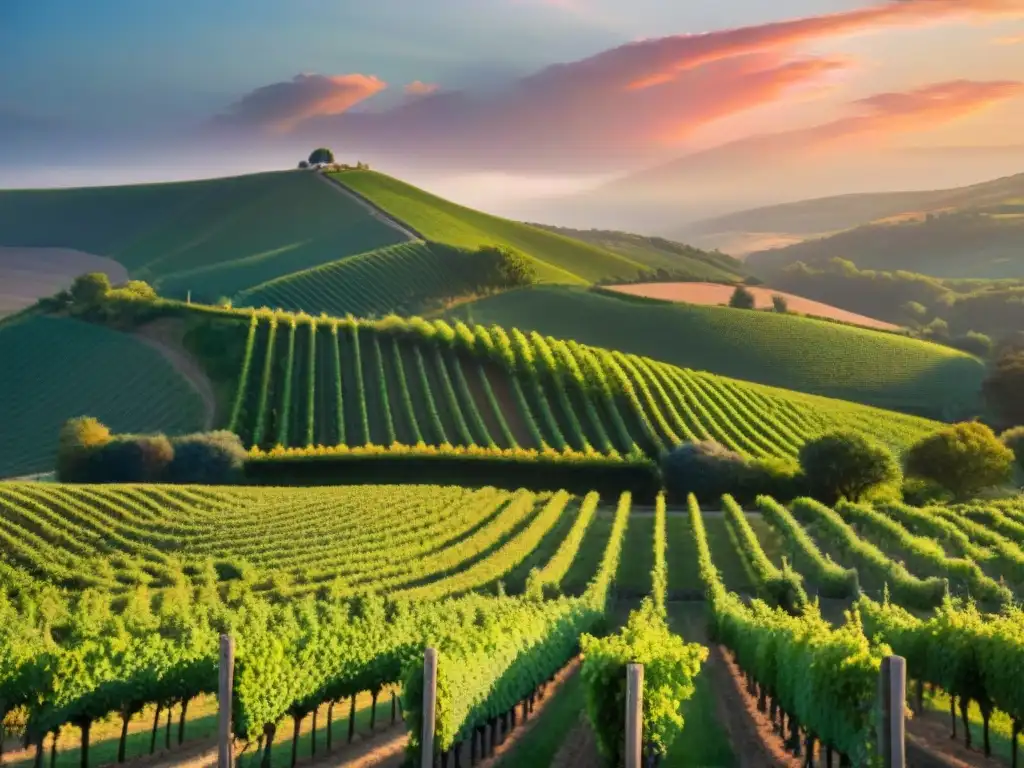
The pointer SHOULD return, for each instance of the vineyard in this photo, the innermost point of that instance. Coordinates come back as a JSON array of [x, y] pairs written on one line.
[[312, 570], [309, 381], [557, 259], [781, 350], [115, 377]]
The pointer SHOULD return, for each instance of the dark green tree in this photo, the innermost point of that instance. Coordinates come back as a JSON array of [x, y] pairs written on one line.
[[845, 465], [89, 289], [780, 304], [321, 155], [962, 458], [1014, 440], [742, 298]]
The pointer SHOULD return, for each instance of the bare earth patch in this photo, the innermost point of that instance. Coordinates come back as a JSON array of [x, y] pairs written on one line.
[[165, 336], [28, 274], [710, 294]]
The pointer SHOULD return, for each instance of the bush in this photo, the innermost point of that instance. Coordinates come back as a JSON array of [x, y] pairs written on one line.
[[742, 298], [131, 459], [780, 304], [918, 492], [709, 470], [211, 457], [89, 289], [1014, 440], [514, 269], [79, 438], [845, 465], [303, 164], [963, 458]]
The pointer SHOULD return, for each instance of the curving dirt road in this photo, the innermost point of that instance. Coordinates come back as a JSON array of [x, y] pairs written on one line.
[[164, 336]]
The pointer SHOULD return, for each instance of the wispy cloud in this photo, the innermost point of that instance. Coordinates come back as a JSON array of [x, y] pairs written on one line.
[[418, 88], [280, 107]]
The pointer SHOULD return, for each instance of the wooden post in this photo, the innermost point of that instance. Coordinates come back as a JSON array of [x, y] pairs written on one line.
[[634, 714], [892, 692], [227, 677], [429, 708]]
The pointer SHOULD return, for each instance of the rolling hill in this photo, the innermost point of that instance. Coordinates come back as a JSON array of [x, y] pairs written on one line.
[[558, 259], [831, 214], [680, 261], [213, 238], [968, 243], [787, 351], [59, 368]]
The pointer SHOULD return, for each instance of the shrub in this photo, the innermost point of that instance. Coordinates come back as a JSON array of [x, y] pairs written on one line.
[[131, 459], [211, 457], [780, 304], [845, 465], [918, 492], [709, 470], [742, 298], [963, 458], [1014, 440], [89, 289], [512, 267], [303, 164], [78, 439]]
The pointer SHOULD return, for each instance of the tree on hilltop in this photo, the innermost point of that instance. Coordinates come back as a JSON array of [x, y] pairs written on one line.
[[321, 155], [89, 289], [780, 304], [742, 298]]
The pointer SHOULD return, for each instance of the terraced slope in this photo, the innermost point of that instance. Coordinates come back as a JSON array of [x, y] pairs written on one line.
[[324, 381], [440, 540], [559, 259], [55, 369], [213, 238], [798, 353], [406, 279]]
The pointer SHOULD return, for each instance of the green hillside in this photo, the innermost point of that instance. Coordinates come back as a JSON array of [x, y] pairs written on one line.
[[830, 214], [213, 238], [971, 243], [559, 259], [407, 279], [307, 381], [680, 261], [55, 369], [781, 350]]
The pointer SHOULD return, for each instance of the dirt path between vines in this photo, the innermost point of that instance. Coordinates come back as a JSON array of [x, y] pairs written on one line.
[[374, 210], [165, 336]]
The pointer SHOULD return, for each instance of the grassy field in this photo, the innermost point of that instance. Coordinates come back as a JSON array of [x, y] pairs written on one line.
[[559, 259], [56, 369], [796, 353], [213, 238]]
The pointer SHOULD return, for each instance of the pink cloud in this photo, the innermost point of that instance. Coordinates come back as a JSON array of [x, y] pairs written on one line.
[[280, 107], [418, 88]]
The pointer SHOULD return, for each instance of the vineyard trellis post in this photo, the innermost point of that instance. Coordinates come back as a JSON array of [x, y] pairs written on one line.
[[634, 714], [224, 694], [892, 691], [429, 708]]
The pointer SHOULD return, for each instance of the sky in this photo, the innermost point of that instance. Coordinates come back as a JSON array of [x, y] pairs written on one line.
[[541, 108]]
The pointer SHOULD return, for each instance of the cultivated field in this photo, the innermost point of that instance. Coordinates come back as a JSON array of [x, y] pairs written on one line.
[[716, 294], [59, 368], [28, 274], [234, 554], [321, 381], [558, 259], [797, 353]]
